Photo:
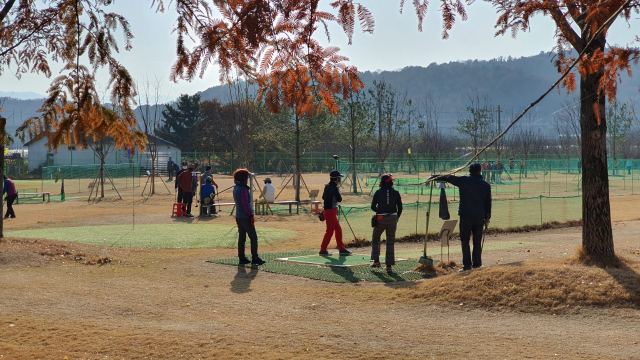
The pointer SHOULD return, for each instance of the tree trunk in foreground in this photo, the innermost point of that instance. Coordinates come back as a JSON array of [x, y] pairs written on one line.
[[3, 123], [296, 175], [597, 236]]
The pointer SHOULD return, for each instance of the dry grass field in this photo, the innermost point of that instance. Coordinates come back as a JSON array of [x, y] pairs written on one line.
[[531, 300]]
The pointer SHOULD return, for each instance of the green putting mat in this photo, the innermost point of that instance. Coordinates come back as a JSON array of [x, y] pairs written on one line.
[[402, 271], [334, 260]]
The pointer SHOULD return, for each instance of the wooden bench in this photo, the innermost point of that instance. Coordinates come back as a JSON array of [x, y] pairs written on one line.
[[207, 206], [290, 203], [35, 194]]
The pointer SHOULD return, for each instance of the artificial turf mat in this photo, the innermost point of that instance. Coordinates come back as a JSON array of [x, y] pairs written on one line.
[[402, 271], [334, 260], [154, 235]]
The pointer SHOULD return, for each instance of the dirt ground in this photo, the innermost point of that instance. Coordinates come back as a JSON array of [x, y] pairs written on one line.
[[56, 302]]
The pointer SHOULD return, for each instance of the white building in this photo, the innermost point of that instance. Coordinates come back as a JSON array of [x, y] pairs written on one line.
[[39, 156]]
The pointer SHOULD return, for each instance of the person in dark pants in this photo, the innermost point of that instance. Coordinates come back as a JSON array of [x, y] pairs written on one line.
[[170, 169], [244, 218], [387, 204], [332, 197], [9, 189], [474, 212], [178, 188], [186, 196]]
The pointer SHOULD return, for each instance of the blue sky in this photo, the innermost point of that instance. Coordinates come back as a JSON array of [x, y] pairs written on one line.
[[395, 44]]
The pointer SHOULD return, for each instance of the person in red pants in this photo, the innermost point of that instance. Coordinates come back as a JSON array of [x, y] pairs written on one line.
[[332, 197]]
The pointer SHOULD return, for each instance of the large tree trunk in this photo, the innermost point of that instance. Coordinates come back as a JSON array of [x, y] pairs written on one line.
[[298, 170], [597, 237], [3, 123]]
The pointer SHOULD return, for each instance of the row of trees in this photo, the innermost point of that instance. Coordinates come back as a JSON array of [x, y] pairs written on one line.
[[383, 120]]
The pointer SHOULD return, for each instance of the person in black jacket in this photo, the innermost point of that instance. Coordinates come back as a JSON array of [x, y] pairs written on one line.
[[474, 212], [387, 205], [332, 197]]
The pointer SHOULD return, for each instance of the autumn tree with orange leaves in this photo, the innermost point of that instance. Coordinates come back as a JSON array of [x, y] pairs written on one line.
[[583, 26], [80, 35]]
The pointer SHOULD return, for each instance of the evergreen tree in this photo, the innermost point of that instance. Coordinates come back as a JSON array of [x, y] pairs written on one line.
[[178, 120]]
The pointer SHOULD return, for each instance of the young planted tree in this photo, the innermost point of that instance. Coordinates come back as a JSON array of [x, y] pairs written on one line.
[[358, 124], [390, 110], [476, 121], [567, 123], [150, 110], [620, 119]]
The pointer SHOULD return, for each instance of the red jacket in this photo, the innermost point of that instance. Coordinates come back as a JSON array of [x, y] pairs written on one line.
[[184, 180]]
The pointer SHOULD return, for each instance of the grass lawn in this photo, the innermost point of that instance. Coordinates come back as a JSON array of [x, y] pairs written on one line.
[[154, 235]]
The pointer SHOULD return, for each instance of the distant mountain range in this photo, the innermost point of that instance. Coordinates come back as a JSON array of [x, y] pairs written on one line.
[[21, 95], [512, 83]]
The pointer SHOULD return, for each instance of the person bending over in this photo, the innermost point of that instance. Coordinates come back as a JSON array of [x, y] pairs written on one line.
[[208, 174], [9, 189], [206, 196], [474, 212], [332, 197], [244, 218], [387, 204]]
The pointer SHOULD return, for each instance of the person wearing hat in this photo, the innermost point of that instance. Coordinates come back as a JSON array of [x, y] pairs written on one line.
[[332, 197], [207, 191], [185, 180], [387, 204], [474, 211], [178, 188], [203, 181], [269, 192]]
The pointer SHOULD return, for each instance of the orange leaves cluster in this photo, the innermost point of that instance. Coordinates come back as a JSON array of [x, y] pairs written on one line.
[[33, 33]]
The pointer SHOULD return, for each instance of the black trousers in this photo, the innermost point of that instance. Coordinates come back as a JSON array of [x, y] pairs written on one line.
[[185, 198], [244, 228], [469, 226], [10, 200], [388, 223]]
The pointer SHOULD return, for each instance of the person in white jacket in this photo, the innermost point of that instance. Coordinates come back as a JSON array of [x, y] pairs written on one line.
[[269, 192]]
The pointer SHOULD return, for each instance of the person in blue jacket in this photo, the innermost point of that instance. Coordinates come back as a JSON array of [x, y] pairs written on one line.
[[206, 198]]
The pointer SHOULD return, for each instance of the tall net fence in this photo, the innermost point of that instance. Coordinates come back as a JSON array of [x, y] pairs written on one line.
[[506, 213], [79, 179]]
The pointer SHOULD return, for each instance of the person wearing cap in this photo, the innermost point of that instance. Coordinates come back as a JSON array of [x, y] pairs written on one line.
[[203, 180], [185, 180], [387, 204], [269, 192], [244, 218], [474, 212], [207, 191], [178, 188], [332, 197]]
